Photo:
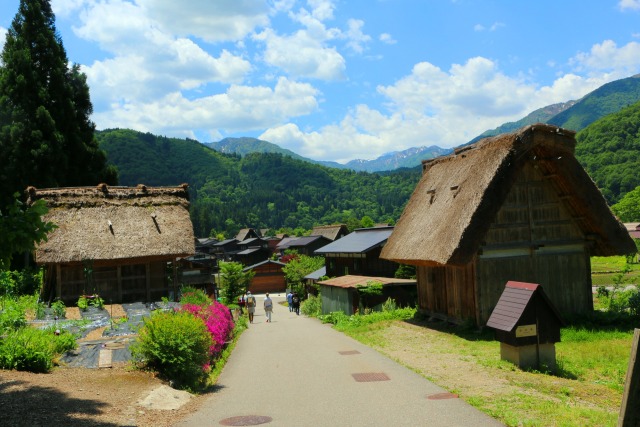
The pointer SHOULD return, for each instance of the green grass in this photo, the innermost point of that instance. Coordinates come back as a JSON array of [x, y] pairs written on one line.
[[605, 269], [586, 389]]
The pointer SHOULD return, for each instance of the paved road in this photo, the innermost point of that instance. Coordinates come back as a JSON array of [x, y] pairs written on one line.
[[296, 371]]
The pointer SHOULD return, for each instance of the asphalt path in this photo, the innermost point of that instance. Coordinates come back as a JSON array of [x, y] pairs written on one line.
[[296, 371]]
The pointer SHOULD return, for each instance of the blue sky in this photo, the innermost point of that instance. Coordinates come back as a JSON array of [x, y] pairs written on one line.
[[340, 79]]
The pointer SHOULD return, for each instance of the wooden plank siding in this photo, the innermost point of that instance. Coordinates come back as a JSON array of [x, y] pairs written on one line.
[[115, 283], [534, 238]]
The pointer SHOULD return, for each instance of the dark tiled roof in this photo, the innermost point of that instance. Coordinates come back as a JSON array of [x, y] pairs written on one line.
[[361, 240]]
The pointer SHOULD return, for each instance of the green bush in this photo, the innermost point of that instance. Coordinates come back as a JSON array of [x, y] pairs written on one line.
[[175, 344], [191, 295], [312, 306], [21, 282], [83, 303], [389, 305], [12, 317], [59, 309], [34, 350]]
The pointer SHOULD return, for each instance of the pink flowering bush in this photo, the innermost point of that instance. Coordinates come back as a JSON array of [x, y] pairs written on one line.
[[218, 321]]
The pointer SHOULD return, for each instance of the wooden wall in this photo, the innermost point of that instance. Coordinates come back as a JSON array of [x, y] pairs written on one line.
[[534, 238], [268, 278], [114, 283]]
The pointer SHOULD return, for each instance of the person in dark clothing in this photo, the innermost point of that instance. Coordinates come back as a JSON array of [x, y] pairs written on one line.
[[295, 302]]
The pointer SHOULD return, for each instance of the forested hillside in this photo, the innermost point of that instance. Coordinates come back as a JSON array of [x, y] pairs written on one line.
[[258, 190], [609, 149], [605, 100]]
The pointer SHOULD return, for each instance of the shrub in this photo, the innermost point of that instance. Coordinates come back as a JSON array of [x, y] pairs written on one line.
[[83, 303], [59, 309], [34, 350], [21, 282], [389, 305], [312, 306], [175, 344], [218, 321], [12, 317], [191, 295]]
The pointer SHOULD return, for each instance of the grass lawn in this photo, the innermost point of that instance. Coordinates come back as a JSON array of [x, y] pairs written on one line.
[[585, 391], [605, 271]]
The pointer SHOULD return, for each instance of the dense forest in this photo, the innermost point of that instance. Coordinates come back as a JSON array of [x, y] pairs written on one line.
[[609, 149], [260, 190]]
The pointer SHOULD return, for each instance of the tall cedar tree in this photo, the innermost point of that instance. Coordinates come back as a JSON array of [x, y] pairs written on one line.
[[46, 136]]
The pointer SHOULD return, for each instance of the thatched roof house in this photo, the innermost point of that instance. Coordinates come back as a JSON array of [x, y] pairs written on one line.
[[516, 206], [105, 228], [331, 232]]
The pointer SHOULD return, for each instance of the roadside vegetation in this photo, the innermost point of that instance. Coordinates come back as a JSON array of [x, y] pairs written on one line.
[[585, 390]]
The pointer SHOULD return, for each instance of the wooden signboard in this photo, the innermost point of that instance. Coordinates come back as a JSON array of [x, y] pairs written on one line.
[[526, 331]]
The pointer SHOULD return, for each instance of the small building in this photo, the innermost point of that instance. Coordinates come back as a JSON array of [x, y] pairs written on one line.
[[527, 326], [247, 233], [359, 253], [198, 271], [517, 206], [302, 245], [268, 277], [114, 241], [311, 280], [205, 245], [226, 249], [331, 232], [633, 228], [341, 293]]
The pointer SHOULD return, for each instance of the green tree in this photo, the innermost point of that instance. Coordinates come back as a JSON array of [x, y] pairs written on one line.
[[628, 209], [21, 228], [46, 137], [298, 267], [234, 281]]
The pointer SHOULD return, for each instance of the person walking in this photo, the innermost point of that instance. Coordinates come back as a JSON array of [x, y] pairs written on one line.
[[295, 301], [289, 302], [251, 305], [268, 307]]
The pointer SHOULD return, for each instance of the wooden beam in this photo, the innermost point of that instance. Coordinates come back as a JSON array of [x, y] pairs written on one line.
[[630, 408]]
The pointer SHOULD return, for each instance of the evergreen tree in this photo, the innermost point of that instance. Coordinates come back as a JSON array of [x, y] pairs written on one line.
[[46, 136]]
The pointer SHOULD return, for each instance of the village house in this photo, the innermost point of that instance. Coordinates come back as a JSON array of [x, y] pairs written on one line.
[[331, 232], [252, 251], [302, 245], [341, 293], [359, 253], [114, 241], [518, 207], [268, 277]]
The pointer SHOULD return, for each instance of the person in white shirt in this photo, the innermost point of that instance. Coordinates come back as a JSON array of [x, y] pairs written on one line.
[[268, 307]]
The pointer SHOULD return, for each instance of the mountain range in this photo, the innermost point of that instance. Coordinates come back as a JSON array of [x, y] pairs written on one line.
[[574, 115]]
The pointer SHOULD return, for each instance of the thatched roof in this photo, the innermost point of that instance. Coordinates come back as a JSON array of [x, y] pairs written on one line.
[[114, 223], [331, 232], [458, 197]]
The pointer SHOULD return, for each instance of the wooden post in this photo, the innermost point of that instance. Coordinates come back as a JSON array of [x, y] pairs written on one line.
[[630, 408]]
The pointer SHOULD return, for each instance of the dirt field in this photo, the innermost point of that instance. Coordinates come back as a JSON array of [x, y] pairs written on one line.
[[78, 396]]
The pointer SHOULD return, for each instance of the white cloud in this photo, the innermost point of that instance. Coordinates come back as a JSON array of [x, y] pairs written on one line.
[[608, 57], [240, 108], [493, 27], [63, 8], [629, 4], [356, 39], [147, 62], [214, 21], [387, 38], [3, 35], [432, 106], [302, 55]]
